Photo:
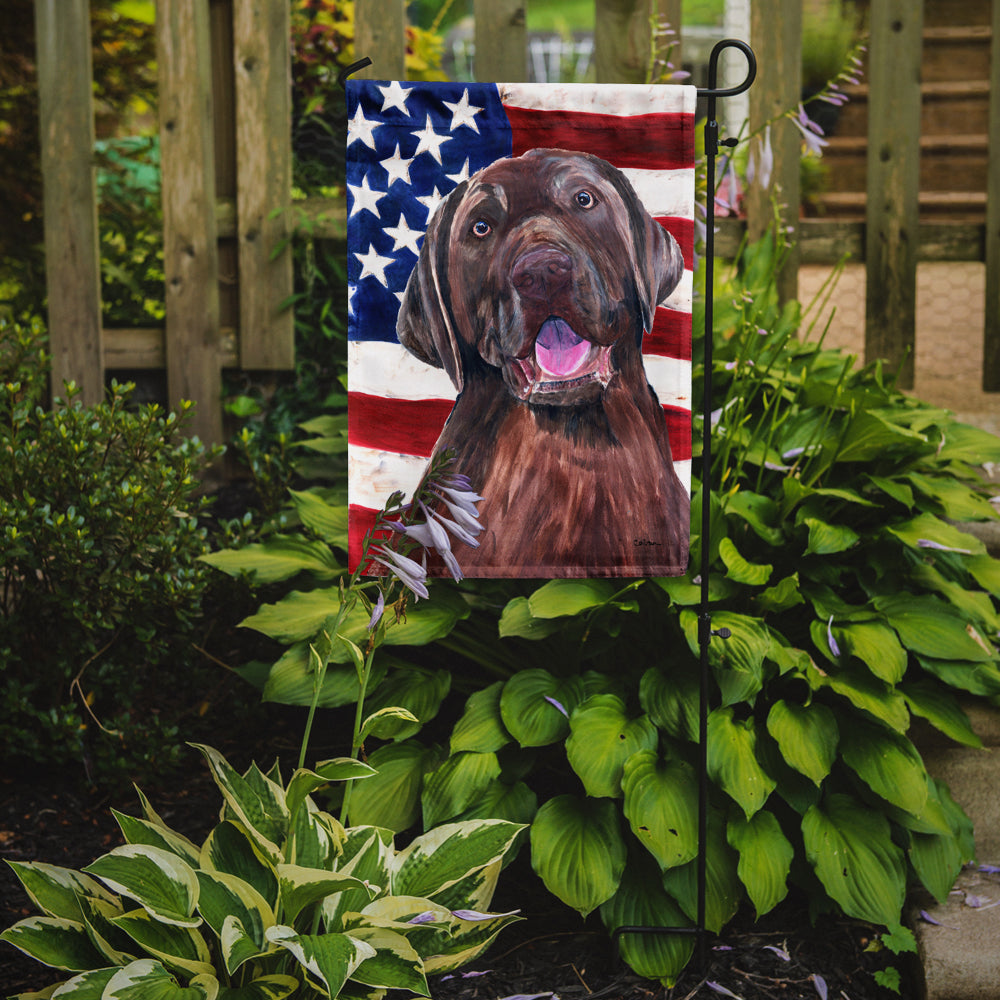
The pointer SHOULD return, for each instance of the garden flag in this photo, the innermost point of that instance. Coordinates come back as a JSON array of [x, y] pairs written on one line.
[[520, 283]]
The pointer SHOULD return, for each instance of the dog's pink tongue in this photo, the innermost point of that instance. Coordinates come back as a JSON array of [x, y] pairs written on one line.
[[558, 350]]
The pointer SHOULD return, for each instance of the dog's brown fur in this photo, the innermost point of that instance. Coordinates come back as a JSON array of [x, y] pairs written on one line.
[[575, 470]]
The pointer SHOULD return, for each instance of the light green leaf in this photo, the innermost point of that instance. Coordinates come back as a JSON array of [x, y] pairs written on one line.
[[957, 501], [601, 739], [758, 511], [888, 763], [671, 699], [976, 678], [738, 661], [870, 436], [986, 571], [391, 798], [456, 784], [972, 445], [807, 736], [732, 760], [850, 848], [941, 709], [738, 569], [661, 799], [385, 723], [578, 851], [876, 646], [481, 728], [765, 858], [292, 681], [515, 803], [279, 558], [180, 948], [783, 595], [418, 690], [159, 881], [147, 979], [866, 692], [928, 528], [395, 964], [327, 520], [517, 620], [931, 628], [56, 891], [54, 941], [559, 598], [528, 709], [828, 539], [330, 959]]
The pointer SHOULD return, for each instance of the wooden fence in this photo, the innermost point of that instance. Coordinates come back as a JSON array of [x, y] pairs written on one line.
[[226, 161]]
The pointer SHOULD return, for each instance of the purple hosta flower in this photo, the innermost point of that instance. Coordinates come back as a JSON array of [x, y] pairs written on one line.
[[761, 163], [811, 132], [719, 988], [728, 195], [927, 918], [927, 543], [820, 983], [558, 705], [834, 648], [780, 952], [410, 572], [427, 917], [456, 529], [475, 915], [462, 508], [989, 869], [377, 612]]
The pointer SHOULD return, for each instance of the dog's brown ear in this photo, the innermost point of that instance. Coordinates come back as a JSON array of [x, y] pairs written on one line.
[[662, 266], [425, 325]]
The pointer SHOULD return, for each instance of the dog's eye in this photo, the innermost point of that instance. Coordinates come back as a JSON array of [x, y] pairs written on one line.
[[585, 199], [481, 229]]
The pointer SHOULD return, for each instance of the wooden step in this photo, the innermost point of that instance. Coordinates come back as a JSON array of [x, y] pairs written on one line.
[[958, 206], [956, 53]]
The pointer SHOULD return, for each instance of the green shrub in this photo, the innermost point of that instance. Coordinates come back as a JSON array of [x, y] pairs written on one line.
[[99, 542]]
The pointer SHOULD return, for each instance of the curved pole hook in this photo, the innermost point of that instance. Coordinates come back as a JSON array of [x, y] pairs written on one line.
[[353, 68], [712, 90]]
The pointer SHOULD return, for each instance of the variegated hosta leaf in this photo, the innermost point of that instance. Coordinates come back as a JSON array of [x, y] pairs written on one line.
[[441, 857], [54, 941], [147, 979], [732, 760], [328, 959], [367, 853], [300, 887], [158, 880], [475, 891], [275, 987], [391, 799], [86, 986], [807, 736], [116, 947], [225, 897], [467, 940], [456, 784], [315, 838], [602, 737], [535, 706], [230, 849], [56, 891], [395, 964], [765, 858], [141, 831], [177, 947], [850, 847], [578, 851], [481, 727], [661, 800], [304, 782]]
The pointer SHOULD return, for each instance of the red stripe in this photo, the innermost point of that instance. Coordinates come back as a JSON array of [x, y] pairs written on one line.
[[650, 142], [407, 426], [670, 336], [682, 230], [360, 520], [679, 432]]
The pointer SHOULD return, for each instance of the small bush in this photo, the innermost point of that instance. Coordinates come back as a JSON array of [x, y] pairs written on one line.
[[99, 578]]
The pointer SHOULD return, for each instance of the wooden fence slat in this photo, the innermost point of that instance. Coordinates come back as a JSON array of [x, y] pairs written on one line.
[[72, 255], [262, 60], [776, 36], [991, 332], [380, 34], [501, 41], [190, 252], [622, 39], [892, 215]]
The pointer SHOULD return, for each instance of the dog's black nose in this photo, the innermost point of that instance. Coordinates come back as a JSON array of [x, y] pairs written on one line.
[[540, 273]]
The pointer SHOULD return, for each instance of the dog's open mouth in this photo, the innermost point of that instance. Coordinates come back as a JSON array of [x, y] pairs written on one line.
[[562, 363]]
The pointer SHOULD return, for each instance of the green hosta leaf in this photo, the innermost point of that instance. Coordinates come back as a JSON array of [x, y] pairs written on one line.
[[928, 528], [986, 571], [865, 692], [732, 760], [180, 948], [641, 901], [828, 539], [230, 849], [850, 847], [535, 706], [931, 628], [602, 738], [54, 941], [765, 858], [661, 800], [225, 897], [559, 598], [893, 488], [274, 987], [738, 569], [671, 699], [976, 605], [438, 859], [481, 728], [147, 979], [888, 763], [456, 784], [957, 501], [418, 691], [807, 736], [366, 855], [783, 595], [327, 520], [141, 831], [304, 782], [937, 859], [758, 511], [578, 851], [738, 661], [279, 558], [684, 592], [965, 443], [292, 680], [301, 887], [870, 436], [395, 964], [56, 891], [876, 646], [723, 889], [387, 723], [976, 678], [517, 620], [159, 881], [465, 941], [516, 803], [330, 959], [87, 986], [941, 709], [391, 798]]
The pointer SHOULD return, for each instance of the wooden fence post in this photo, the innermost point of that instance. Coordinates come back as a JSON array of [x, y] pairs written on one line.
[[72, 255], [623, 37], [893, 183], [380, 34], [776, 35], [991, 332], [262, 60], [501, 41], [190, 251]]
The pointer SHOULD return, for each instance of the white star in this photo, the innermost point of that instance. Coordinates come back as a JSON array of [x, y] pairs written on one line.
[[463, 113], [403, 236], [431, 202], [351, 289], [462, 175], [395, 97], [364, 197], [373, 265], [360, 128], [430, 141], [397, 168]]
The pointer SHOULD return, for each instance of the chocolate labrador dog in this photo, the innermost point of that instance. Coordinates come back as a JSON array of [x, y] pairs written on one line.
[[534, 285]]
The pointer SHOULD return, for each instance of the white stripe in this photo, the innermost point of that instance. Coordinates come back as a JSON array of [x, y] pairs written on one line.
[[383, 369], [670, 379], [606, 99], [683, 470], [681, 297], [664, 192], [373, 475]]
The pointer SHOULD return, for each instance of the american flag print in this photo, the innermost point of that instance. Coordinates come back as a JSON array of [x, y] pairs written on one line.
[[408, 146]]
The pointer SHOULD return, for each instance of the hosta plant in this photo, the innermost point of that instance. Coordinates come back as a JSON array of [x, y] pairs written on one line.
[[279, 900]]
